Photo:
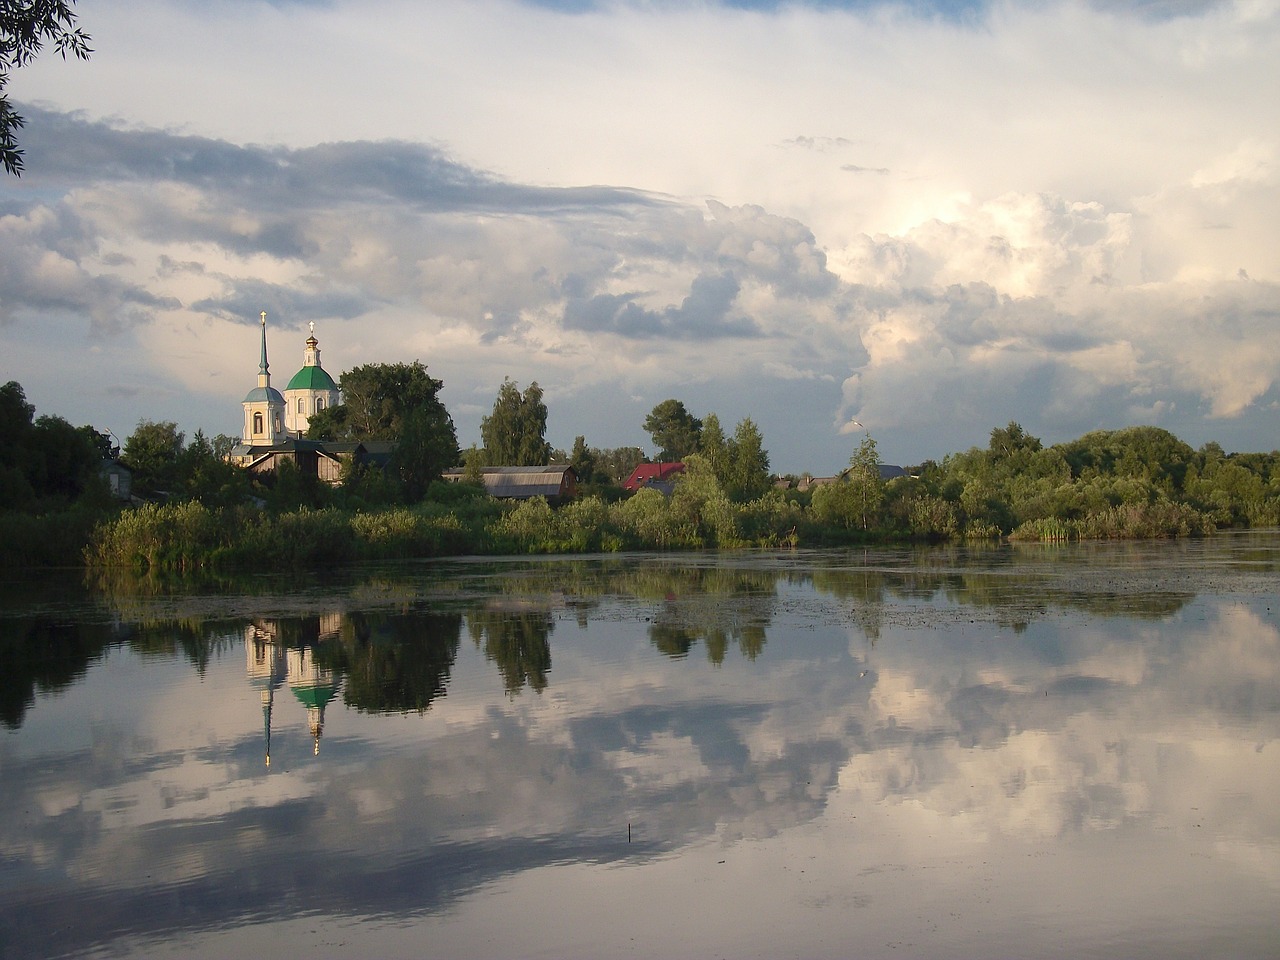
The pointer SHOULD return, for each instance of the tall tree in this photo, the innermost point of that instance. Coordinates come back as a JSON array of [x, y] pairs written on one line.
[[427, 446], [514, 434], [715, 448], [25, 27], [748, 472], [583, 460], [865, 480], [675, 431]]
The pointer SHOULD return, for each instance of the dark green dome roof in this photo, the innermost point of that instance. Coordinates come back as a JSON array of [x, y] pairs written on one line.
[[312, 378], [317, 696]]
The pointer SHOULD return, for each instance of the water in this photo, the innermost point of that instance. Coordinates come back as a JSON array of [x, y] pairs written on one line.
[[1031, 751]]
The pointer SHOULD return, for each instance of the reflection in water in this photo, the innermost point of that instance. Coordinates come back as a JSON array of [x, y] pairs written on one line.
[[271, 663], [518, 641], [1003, 752], [395, 662]]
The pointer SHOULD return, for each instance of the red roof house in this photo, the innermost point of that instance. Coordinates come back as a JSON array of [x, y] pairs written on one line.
[[659, 475]]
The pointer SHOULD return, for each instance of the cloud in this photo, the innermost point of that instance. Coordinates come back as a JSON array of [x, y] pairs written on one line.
[[1034, 212], [703, 314]]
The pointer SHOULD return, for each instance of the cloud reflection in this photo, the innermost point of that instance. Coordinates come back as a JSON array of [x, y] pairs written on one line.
[[981, 703]]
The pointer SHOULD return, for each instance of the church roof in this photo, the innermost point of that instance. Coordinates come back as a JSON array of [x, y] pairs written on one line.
[[312, 378], [270, 394]]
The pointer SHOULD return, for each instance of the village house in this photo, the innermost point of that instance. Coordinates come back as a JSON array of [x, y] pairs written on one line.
[[659, 476], [556, 482]]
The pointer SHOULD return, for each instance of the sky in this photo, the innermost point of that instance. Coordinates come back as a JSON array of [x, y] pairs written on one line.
[[918, 221]]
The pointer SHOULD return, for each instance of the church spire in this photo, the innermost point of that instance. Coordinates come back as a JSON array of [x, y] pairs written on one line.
[[264, 371]]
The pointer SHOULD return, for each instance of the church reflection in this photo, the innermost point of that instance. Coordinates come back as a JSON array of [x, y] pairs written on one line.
[[272, 664], [379, 662]]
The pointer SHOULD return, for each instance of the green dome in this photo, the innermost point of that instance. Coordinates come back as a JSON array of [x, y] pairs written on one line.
[[315, 696], [312, 378]]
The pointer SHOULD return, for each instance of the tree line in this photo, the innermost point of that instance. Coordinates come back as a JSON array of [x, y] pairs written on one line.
[[1133, 482]]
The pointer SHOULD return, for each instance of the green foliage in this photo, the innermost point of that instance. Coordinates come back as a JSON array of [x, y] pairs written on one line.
[[53, 539], [855, 500], [748, 474], [46, 463], [400, 403], [701, 509], [583, 461], [514, 433], [24, 30], [427, 447], [204, 474], [713, 447], [181, 537], [674, 430], [1104, 485], [645, 521], [377, 397], [152, 452]]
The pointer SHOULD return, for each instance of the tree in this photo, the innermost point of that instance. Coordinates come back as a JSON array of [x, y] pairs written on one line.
[[15, 418], [583, 460], [152, 453], [865, 480], [674, 430], [426, 448], [514, 434], [397, 402], [62, 460], [714, 448], [328, 424], [1011, 440], [376, 398], [748, 469], [204, 474], [25, 27]]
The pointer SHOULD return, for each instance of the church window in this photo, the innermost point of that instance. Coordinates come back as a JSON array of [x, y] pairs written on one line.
[[302, 405], [319, 403], [257, 423]]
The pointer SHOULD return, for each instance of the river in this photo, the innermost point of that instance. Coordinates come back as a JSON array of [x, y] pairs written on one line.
[[1030, 751]]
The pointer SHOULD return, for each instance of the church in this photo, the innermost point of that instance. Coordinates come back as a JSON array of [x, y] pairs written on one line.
[[275, 423]]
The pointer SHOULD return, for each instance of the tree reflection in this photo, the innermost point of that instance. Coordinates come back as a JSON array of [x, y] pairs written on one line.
[[395, 663], [719, 606], [42, 655], [518, 642]]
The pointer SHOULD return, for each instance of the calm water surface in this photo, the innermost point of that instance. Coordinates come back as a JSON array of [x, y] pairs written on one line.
[[997, 752]]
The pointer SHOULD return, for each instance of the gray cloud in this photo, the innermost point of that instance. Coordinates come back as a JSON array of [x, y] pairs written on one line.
[[68, 147], [285, 305], [703, 314]]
